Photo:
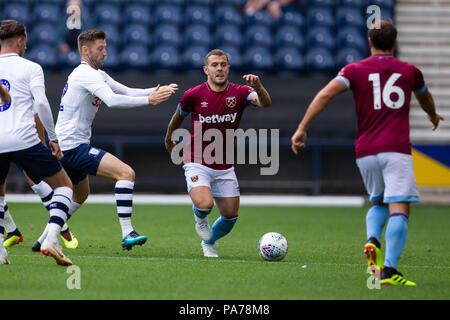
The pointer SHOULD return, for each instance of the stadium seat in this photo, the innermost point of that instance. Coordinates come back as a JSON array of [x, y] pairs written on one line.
[[209, 3], [226, 14], [320, 36], [197, 14], [258, 36], [136, 13], [112, 33], [292, 17], [350, 17], [289, 36], [45, 55], [234, 56], [388, 4], [348, 55], [260, 18], [318, 16], [197, 35], [193, 57], [165, 57], [359, 4], [172, 2], [136, 34], [43, 33], [70, 59], [135, 56], [167, 14], [46, 13], [108, 13], [17, 11], [351, 37], [112, 60], [319, 59], [258, 58], [289, 59], [167, 34], [321, 3], [228, 35]]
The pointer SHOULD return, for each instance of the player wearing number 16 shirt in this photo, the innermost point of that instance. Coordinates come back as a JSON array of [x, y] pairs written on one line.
[[382, 87]]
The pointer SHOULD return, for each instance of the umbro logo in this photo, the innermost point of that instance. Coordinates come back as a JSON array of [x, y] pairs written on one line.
[[204, 104]]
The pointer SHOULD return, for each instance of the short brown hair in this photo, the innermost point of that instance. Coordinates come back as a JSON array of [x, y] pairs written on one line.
[[11, 29], [89, 36], [215, 52], [383, 36]]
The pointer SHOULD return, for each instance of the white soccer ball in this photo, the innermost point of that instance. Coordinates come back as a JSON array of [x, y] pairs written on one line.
[[273, 246]]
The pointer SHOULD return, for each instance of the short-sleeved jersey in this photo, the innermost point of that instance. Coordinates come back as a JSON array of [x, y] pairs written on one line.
[[18, 127], [214, 110], [79, 106], [382, 87]]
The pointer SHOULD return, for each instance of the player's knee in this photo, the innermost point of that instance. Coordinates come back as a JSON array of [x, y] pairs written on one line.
[[127, 174], [204, 203]]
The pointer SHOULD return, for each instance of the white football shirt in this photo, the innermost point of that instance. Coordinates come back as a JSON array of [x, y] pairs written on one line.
[[17, 124], [83, 94]]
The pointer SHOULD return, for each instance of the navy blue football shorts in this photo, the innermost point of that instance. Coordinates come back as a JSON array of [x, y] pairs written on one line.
[[81, 161], [37, 161]]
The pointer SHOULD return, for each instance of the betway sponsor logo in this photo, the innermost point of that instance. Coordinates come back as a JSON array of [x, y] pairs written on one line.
[[215, 118]]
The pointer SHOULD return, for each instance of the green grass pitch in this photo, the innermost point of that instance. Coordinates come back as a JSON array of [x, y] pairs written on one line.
[[324, 261]]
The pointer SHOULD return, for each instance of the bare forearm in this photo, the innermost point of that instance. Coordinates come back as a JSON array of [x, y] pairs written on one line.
[[427, 103], [174, 124], [316, 107], [4, 94], [264, 97]]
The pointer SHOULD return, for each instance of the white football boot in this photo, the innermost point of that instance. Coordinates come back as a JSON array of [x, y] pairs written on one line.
[[55, 251], [202, 228], [209, 250]]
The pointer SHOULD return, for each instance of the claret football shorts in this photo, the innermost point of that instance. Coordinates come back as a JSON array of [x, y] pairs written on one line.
[[223, 183], [389, 176]]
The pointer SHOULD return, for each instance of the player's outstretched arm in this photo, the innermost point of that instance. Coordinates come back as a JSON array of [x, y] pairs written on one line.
[[174, 124], [319, 103], [427, 103], [161, 94], [262, 97], [4, 94]]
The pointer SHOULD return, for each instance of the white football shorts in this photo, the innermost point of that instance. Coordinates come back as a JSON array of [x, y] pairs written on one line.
[[223, 183], [389, 176]]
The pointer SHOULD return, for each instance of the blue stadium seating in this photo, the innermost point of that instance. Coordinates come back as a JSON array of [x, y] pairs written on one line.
[[137, 13], [135, 56], [228, 35], [260, 18], [112, 60], [46, 13], [359, 4], [258, 35], [292, 17], [288, 58], [319, 59], [17, 11], [320, 36], [43, 33], [289, 36], [234, 56], [388, 4], [168, 14], [258, 58], [198, 15], [70, 59], [318, 16], [193, 57], [350, 17], [45, 55], [108, 13], [165, 57], [198, 35], [226, 14], [167, 34], [136, 34], [348, 55], [351, 37]]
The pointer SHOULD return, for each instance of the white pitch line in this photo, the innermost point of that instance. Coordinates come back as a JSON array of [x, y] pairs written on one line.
[[301, 264]]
